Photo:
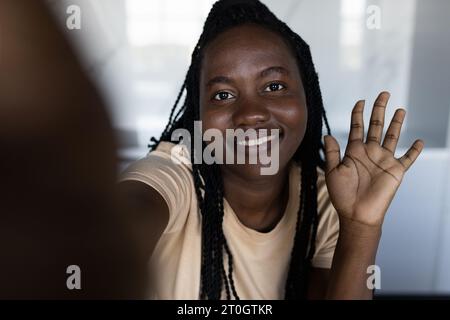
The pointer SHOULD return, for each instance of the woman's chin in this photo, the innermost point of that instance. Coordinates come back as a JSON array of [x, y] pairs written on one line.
[[253, 171]]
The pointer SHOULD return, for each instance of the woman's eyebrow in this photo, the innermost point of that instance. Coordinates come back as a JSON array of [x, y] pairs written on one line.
[[218, 79], [271, 70], [264, 73]]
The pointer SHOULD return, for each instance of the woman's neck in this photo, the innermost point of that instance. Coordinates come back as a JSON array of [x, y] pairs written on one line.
[[258, 203]]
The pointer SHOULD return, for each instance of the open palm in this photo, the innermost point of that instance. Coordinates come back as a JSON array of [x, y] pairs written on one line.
[[363, 184]]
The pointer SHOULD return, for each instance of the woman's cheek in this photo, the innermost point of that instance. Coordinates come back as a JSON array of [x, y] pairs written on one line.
[[217, 120], [292, 114], [294, 117]]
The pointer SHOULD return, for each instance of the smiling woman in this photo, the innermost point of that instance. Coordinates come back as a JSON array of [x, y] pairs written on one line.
[[312, 229]]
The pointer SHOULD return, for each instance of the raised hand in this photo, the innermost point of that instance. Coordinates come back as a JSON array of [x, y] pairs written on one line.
[[363, 184]]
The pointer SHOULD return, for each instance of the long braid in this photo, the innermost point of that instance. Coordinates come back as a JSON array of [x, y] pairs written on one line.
[[207, 178], [168, 127], [230, 271]]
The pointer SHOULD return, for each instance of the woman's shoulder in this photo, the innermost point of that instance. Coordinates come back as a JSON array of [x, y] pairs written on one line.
[[328, 225], [168, 171], [178, 154], [323, 197], [167, 156], [324, 205], [321, 182]]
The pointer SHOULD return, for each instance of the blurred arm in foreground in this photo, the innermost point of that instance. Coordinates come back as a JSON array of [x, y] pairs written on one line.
[[58, 203]]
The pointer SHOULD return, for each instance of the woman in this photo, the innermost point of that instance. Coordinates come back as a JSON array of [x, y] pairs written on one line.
[[226, 231]]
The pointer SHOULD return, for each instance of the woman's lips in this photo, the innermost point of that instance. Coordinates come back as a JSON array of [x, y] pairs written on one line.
[[257, 141], [259, 144]]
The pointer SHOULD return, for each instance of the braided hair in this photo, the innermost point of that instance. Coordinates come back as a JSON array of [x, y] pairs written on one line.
[[207, 178]]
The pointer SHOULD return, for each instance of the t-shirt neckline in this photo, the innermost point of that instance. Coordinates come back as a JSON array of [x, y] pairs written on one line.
[[287, 221]]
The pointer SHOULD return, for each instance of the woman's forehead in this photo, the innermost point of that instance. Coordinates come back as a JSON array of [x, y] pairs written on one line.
[[248, 44]]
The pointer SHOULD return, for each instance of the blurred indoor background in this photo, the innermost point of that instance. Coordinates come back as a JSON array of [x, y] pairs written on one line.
[[138, 52]]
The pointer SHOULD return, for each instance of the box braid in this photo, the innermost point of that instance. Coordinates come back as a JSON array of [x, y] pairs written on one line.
[[207, 178]]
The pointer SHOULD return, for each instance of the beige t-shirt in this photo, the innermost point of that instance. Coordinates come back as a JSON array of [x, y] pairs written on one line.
[[261, 260]]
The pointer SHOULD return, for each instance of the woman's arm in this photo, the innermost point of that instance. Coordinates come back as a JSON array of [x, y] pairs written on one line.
[[355, 252], [146, 211], [58, 203], [361, 188]]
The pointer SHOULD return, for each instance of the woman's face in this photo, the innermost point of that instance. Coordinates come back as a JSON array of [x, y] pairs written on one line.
[[249, 79]]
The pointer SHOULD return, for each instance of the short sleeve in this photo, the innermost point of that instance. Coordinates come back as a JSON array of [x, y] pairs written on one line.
[[172, 179], [328, 227]]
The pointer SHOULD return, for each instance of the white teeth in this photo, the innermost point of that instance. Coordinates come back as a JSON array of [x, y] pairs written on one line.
[[255, 142]]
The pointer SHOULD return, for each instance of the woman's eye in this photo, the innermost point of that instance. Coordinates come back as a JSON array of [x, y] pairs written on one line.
[[223, 95], [275, 86]]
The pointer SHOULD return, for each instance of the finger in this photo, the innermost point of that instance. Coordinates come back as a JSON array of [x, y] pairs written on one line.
[[411, 155], [357, 122], [332, 153], [377, 118], [393, 132]]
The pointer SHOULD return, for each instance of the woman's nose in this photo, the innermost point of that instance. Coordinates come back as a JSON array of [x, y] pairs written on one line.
[[250, 112]]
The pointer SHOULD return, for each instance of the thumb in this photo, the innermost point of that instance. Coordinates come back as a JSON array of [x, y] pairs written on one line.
[[332, 153]]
